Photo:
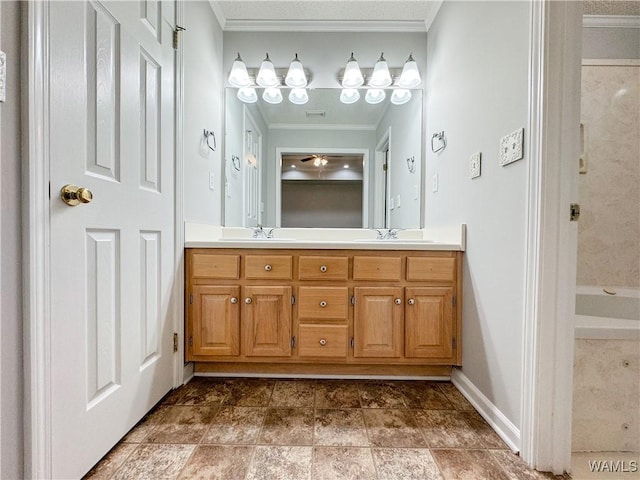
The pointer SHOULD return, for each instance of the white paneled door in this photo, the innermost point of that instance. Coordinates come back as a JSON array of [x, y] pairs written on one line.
[[111, 111]]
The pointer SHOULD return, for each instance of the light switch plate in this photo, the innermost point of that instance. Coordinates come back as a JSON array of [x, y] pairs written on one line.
[[511, 147], [434, 183], [398, 201], [391, 206], [3, 76], [474, 164]]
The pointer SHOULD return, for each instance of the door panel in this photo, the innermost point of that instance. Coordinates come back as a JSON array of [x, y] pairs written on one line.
[[429, 322], [111, 115], [378, 322], [266, 321], [216, 320]]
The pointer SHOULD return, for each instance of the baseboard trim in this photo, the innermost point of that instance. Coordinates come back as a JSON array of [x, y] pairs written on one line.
[[498, 421], [188, 374]]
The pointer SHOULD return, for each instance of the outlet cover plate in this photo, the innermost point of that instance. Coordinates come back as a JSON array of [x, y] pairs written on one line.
[[511, 147], [474, 165]]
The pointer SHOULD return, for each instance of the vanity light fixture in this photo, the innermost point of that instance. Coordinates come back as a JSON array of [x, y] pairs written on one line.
[[247, 95], [238, 76], [272, 95], [298, 96], [267, 74], [380, 78], [400, 96], [375, 96], [352, 75], [320, 162], [410, 76], [296, 77], [349, 96]]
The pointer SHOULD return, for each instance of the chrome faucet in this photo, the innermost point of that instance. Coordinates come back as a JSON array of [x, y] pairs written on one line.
[[259, 232], [387, 234]]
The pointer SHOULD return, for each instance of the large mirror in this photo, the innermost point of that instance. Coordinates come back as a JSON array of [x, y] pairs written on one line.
[[325, 163]]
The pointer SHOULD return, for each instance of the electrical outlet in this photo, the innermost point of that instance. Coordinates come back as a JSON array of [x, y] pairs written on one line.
[[511, 147], [474, 165], [212, 180], [434, 183]]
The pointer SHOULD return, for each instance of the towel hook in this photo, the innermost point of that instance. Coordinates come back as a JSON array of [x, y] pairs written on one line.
[[440, 137], [207, 134]]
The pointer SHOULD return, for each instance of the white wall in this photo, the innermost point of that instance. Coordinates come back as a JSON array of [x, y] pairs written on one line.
[[477, 92], [11, 364], [203, 109]]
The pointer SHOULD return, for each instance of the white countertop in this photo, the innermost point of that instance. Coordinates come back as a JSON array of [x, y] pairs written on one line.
[[211, 236]]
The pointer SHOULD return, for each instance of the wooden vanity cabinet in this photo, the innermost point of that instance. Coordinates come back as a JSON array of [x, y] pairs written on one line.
[[323, 311]]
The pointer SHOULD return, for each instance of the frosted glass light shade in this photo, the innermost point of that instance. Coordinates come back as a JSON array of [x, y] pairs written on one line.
[[247, 95], [400, 96], [352, 75], [380, 78], [272, 95], [238, 76], [298, 96], [375, 95], [349, 96], [267, 74], [410, 76], [296, 77]]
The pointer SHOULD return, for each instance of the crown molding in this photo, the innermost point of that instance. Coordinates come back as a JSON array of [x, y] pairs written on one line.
[[611, 21], [351, 26], [218, 13]]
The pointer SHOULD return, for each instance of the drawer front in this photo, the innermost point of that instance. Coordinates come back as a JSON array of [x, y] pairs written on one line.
[[268, 266], [323, 303], [323, 268], [215, 266], [431, 269], [377, 268], [323, 341]]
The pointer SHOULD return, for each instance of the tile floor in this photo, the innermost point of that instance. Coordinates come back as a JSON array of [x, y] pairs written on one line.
[[312, 429]]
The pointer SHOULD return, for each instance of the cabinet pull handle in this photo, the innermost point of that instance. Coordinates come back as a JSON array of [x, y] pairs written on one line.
[[323, 342], [323, 268], [234, 300], [267, 267], [247, 300], [397, 301], [411, 301], [323, 304]]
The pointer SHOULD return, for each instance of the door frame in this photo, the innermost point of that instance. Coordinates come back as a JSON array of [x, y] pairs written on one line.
[[36, 241], [382, 182]]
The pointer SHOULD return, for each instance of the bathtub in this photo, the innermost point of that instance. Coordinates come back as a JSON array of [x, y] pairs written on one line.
[[606, 373], [614, 315]]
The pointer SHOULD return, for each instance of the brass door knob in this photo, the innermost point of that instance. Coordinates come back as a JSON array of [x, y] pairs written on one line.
[[72, 195]]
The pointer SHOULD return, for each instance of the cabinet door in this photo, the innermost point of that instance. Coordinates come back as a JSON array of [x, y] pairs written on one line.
[[216, 320], [429, 322], [266, 321], [378, 322]]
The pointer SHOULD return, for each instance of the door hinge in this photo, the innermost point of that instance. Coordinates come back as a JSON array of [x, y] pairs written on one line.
[[385, 166], [293, 342], [191, 299], [175, 342], [574, 212], [293, 299], [191, 341], [49, 190], [176, 31], [454, 301], [353, 299], [352, 343], [454, 342]]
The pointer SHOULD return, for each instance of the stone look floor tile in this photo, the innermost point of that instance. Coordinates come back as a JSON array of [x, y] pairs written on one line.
[[517, 470], [343, 427], [145, 426], [468, 465], [405, 464], [218, 462], [288, 426], [446, 429], [236, 425], [250, 392], [424, 395], [337, 394], [204, 392], [156, 462], [483, 430], [111, 462], [293, 393], [342, 463], [392, 428], [280, 463], [182, 424], [455, 397], [380, 395]]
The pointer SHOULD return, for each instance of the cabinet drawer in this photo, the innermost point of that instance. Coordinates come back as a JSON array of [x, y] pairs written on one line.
[[377, 268], [431, 269], [268, 266], [323, 302], [215, 266], [323, 341], [323, 268]]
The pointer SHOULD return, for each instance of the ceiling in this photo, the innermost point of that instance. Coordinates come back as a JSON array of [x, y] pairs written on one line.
[[387, 15]]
